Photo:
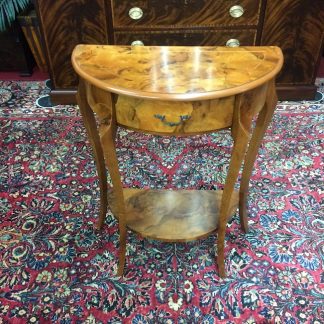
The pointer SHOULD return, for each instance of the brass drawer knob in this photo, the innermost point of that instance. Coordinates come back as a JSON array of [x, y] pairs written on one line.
[[137, 43], [135, 13], [233, 42], [236, 11]]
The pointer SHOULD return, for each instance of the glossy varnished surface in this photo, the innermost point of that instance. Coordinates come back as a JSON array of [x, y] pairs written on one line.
[[293, 25], [64, 24], [176, 73], [229, 87], [188, 37], [297, 26], [187, 117], [181, 215], [185, 13]]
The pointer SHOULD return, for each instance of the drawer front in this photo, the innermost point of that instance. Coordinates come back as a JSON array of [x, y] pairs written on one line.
[[173, 116], [189, 38], [170, 13]]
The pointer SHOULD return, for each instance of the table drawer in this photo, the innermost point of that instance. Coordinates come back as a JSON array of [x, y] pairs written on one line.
[[170, 13], [188, 38], [174, 116]]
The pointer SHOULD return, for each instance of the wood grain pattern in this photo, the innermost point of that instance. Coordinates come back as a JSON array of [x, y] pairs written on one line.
[[30, 27], [87, 112], [169, 117], [189, 37], [65, 24], [247, 105], [297, 27], [267, 102], [294, 25], [176, 216], [101, 103], [184, 13], [176, 73]]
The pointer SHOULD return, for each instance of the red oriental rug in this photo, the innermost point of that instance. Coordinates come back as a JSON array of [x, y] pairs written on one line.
[[55, 268]]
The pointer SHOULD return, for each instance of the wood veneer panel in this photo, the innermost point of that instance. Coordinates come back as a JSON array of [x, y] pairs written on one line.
[[176, 72], [297, 27], [175, 117], [66, 24], [170, 13], [191, 37], [176, 216]]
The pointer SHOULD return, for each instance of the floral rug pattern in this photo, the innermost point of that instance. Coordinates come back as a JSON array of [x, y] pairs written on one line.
[[56, 268]]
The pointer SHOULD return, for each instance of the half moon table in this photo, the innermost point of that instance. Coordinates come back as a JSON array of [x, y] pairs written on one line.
[[178, 91]]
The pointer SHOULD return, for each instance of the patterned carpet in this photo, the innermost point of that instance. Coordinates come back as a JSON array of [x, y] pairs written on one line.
[[55, 268]]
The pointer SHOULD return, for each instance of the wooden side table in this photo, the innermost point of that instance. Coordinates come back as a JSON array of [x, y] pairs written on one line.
[[176, 91]]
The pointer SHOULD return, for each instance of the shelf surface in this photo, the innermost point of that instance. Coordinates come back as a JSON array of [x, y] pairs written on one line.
[[177, 215]]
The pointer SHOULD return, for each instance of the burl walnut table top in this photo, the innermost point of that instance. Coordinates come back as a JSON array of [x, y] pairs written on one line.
[[176, 72]]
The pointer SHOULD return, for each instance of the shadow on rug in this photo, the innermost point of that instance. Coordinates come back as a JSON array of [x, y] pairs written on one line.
[[55, 268]]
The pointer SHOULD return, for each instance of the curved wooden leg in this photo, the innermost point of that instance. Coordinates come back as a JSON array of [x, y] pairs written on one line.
[[234, 168], [93, 100], [108, 143], [91, 127], [241, 131], [102, 103], [262, 123]]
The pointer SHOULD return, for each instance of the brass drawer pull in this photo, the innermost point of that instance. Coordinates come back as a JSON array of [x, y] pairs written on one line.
[[135, 13], [233, 42], [172, 124], [137, 43], [236, 11]]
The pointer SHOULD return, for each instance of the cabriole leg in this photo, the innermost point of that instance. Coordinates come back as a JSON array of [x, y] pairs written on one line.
[[241, 128], [93, 136], [262, 123]]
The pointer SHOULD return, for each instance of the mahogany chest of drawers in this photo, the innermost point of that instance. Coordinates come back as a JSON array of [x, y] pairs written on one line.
[[294, 25]]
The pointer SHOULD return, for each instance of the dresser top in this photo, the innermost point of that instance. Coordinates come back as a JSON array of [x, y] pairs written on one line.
[[176, 72]]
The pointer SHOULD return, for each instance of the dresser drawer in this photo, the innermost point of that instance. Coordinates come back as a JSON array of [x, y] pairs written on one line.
[[188, 38], [213, 13]]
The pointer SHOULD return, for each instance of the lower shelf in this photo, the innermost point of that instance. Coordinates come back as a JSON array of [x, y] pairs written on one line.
[[177, 216]]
